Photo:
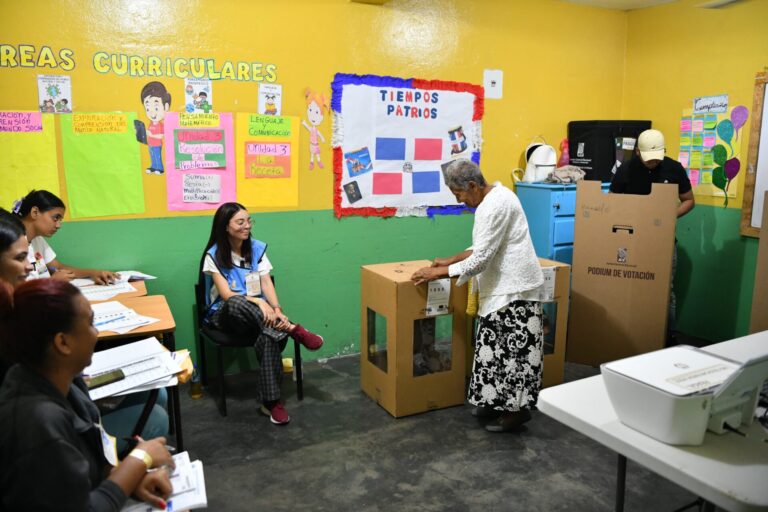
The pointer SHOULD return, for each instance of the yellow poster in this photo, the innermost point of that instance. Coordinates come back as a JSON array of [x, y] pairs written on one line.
[[267, 160], [28, 140]]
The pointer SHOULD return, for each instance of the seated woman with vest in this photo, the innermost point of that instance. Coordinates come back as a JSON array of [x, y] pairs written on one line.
[[241, 300], [54, 452]]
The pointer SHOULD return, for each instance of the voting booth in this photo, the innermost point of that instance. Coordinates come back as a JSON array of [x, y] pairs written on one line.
[[412, 355], [622, 265]]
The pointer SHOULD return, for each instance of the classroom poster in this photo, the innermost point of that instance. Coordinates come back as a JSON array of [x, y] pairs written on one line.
[[710, 151], [54, 93], [392, 136], [198, 96], [102, 164], [29, 152], [270, 99], [200, 162], [267, 160]]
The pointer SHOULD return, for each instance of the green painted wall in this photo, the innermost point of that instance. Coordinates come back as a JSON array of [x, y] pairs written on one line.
[[715, 274], [317, 260]]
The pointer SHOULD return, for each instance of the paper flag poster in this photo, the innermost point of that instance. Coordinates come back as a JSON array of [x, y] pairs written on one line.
[[267, 160], [102, 164], [392, 136], [29, 152], [199, 160]]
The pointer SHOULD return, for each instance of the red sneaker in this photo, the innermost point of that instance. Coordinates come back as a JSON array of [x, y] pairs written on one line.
[[309, 339], [277, 415]]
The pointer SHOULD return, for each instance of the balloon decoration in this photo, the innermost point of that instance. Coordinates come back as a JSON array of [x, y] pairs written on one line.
[[739, 117]]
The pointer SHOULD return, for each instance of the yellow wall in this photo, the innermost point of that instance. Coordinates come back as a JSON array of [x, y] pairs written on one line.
[[679, 51], [560, 61]]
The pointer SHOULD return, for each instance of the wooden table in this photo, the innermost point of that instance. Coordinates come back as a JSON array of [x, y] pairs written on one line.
[[154, 306]]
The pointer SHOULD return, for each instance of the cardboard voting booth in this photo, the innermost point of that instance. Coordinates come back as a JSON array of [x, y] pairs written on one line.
[[411, 360], [622, 265]]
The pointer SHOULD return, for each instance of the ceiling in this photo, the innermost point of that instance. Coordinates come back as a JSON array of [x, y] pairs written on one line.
[[621, 5]]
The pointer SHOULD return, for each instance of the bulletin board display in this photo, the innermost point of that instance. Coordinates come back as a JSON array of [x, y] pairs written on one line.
[[393, 138], [267, 160], [29, 147], [756, 181]]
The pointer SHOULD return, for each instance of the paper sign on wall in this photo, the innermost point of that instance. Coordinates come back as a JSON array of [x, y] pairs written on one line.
[[29, 153], [198, 95], [199, 149], [267, 159], [102, 164], [201, 161], [204, 188], [270, 99], [267, 162], [54, 93]]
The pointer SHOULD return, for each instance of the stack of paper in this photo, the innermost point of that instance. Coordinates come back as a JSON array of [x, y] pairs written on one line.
[[146, 365], [124, 277], [95, 292], [188, 482], [114, 316]]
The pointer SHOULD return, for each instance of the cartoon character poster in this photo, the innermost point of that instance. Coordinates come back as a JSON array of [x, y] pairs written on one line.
[[391, 139], [198, 96], [54, 93], [317, 107], [271, 99], [157, 102]]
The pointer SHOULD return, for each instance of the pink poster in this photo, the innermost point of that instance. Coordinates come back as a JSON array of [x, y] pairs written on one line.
[[202, 188]]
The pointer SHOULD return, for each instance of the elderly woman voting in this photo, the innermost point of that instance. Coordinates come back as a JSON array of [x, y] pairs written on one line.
[[506, 373]]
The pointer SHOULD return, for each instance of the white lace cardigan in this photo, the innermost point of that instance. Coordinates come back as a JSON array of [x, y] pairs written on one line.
[[503, 258]]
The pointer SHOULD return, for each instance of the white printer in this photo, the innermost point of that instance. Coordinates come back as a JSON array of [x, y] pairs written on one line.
[[674, 395]]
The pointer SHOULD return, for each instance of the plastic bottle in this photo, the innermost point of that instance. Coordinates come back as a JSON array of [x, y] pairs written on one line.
[[196, 386]]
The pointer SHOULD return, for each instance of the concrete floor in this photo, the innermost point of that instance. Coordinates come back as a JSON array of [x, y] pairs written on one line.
[[342, 452]]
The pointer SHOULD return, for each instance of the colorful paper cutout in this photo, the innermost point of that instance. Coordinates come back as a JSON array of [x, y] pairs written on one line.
[[426, 182], [102, 169], [192, 194], [387, 183], [428, 149], [265, 150], [29, 156], [390, 148]]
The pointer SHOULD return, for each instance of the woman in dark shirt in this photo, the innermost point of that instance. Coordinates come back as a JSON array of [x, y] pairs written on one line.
[[54, 455]]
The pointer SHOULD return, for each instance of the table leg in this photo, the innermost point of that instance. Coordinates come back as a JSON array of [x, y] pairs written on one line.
[[169, 340], [621, 476]]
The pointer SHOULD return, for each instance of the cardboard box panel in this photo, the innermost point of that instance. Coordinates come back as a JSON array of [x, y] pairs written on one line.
[[387, 289], [622, 265]]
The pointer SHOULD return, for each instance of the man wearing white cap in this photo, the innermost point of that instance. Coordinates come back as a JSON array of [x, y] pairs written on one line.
[[648, 166]]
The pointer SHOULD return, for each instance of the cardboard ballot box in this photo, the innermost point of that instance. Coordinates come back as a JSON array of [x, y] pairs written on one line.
[[410, 362], [556, 300], [622, 264]]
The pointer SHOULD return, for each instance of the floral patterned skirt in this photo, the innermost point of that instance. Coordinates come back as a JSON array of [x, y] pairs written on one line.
[[506, 374]]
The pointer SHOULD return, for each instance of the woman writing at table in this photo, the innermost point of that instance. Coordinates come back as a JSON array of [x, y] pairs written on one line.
[[506, 374], [242, 300], [42, 213], [54, 454]]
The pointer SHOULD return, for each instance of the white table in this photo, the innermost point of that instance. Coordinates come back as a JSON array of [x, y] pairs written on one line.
[[728, 470]]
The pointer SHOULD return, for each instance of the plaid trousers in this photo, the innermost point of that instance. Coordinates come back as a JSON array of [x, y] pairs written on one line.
[[242, 317]]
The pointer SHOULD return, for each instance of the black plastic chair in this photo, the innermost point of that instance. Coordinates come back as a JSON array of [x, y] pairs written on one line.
[[221, 340]]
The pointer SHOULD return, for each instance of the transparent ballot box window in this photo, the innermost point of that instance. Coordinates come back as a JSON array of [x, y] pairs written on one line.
[[549, 311], [432, 343], [377, 340]]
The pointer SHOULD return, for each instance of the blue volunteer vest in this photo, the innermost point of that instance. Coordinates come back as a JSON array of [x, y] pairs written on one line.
[[235, 275]]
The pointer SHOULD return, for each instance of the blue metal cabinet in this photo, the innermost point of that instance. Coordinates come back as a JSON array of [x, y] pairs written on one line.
[[550, 210]]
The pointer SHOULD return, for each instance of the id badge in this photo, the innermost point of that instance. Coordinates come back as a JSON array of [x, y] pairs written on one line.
[[109, 445], [253, 284]]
